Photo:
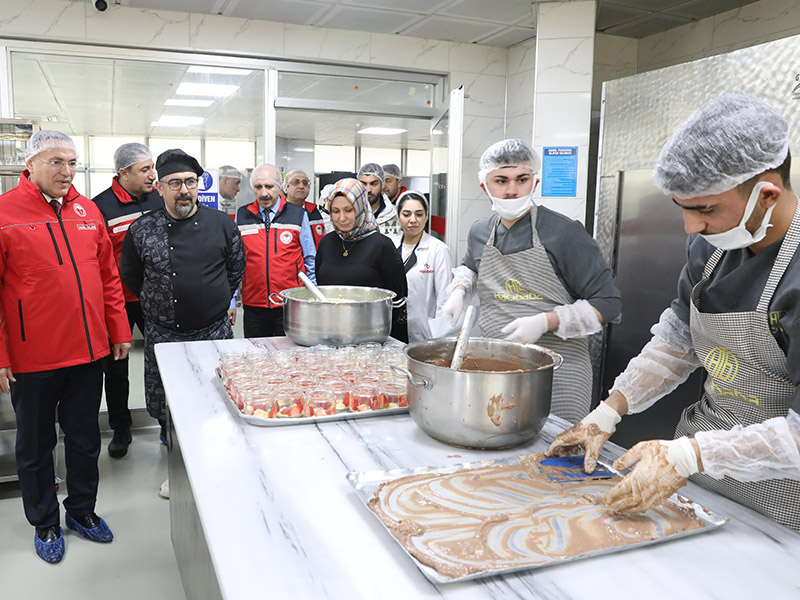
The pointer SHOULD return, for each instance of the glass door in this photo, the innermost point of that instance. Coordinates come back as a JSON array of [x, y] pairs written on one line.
[[446, 134]]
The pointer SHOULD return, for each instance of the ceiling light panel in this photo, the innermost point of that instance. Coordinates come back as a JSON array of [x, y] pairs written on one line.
[[381, 131], [215, 90], [177, 121], [218, 70], [192, 102]]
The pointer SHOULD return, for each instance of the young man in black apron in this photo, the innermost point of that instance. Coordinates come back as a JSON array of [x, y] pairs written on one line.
[[539, 276], [737, 315]]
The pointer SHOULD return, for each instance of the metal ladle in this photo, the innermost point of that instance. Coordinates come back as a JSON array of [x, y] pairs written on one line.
[[310, 285], [463, 338]]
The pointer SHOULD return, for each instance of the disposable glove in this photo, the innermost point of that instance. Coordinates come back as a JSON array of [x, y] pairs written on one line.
[[578, 319], [454, 306], [527, 330], [589, 435], [661, 469]]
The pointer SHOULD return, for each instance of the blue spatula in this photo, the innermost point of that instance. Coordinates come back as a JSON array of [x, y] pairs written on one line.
[[571, 470]]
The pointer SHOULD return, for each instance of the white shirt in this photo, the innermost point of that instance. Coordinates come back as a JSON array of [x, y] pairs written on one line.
[[427, 281]]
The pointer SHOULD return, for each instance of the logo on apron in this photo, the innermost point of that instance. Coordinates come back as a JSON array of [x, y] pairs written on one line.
[[775, 321], [722, 366], [515, 291]]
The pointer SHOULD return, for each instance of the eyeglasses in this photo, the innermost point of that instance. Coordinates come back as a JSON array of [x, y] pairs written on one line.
[[304, 182], [176, 184], [58, 163]]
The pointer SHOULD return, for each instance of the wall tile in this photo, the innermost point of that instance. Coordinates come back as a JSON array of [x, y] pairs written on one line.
[[301, 41], [471, 211], [615, 50], [566, 119], [480, 133], [675, 44], [485, 94], [565, 65], [755, 20], [520, 93], [44, 18], [574, 208], [603, 73], [475, 58], [407, 52], [150, 28], [520, 127], [216, 32], [522, 57], [565, 19]]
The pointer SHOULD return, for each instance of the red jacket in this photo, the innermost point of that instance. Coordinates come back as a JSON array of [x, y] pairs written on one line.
[[119, 210], [316, 222], [274, 258], [60, 292]]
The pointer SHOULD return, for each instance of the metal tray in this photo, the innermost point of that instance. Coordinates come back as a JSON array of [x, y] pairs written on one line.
[[365, 483], [284, 421]]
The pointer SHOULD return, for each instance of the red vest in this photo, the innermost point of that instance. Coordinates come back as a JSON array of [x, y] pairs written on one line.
[[274, 257], [316, 222]]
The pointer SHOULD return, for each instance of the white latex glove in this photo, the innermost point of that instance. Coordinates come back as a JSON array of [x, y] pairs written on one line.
[[454, 306], [661, 469], [527, 330]]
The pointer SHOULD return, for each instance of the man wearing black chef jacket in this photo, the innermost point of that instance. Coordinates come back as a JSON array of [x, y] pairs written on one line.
[[184, 262], [737, 315]]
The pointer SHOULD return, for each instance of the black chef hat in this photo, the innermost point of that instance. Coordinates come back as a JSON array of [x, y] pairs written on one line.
[[176, 161]]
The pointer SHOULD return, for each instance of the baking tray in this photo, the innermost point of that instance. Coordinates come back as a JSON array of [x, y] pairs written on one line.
[[284, 421], [365, 483]]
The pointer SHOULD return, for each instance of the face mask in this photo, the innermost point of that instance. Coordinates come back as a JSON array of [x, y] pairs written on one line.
[[512, 208], [739, 237]]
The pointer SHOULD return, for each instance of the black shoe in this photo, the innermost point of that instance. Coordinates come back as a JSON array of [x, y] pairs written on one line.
[[49, 534], [118, 446], [163, 435]]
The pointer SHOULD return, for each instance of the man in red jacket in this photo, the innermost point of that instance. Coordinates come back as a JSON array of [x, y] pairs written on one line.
[[297, 186], [60, 302]]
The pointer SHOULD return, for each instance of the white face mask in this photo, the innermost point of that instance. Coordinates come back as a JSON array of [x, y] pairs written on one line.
[[739, 237], [512, 208]]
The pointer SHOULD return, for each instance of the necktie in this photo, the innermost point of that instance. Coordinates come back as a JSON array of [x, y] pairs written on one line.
[[265, 216], [56, 207]]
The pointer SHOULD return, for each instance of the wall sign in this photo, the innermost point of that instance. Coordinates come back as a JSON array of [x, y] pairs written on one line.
[[560, 172]]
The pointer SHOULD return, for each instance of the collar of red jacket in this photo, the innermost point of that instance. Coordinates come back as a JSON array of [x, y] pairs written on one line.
[[120, 192], [31, 188]]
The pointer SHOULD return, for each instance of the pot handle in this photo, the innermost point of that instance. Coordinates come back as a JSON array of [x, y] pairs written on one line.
[[399, 303], [280, 299], [557, 360], [423, 382]]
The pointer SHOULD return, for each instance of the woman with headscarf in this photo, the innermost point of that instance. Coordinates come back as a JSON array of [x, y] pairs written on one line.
[[426, 261], [356, 253]]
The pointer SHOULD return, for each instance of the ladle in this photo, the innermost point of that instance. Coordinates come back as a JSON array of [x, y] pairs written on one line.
[[310, 285], [463, 338]]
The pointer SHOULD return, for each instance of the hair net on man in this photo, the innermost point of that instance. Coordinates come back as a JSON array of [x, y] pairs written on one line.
[[130, 154], [266, 171], [721, 145], [48, 139], [393, 171], [372, 169], [508, 153], [230, 172]]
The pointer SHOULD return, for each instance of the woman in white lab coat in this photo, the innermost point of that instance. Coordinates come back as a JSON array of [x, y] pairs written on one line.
[[427, 264]]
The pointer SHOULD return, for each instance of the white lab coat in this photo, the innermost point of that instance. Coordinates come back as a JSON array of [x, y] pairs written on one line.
[[427, 281]]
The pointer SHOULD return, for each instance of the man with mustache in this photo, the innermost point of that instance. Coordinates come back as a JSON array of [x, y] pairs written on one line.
[[184, 262], [278, 241], [372, 177], [132, 194]]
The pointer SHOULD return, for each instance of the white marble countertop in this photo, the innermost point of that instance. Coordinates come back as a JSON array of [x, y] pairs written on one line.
[[281, 521]]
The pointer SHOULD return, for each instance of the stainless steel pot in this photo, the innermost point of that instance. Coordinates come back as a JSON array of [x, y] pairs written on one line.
[[480, 409], [365, 317]]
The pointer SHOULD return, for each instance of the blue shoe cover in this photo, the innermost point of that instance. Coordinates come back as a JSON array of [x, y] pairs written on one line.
[[101, 533], [51, 552]]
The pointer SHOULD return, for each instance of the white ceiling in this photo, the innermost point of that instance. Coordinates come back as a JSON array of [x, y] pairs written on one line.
[[493, 22]]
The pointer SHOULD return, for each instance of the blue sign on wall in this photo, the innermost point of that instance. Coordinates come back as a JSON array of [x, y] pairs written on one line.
[[208, 189], [560, 172]]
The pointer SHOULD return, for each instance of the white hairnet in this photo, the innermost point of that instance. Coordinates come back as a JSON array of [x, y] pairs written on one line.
[[722, 144], [508, 153], [326, 191], [230, 172], [47, 139], [372, 169], [130, 154], [392, 170], [266, 171]]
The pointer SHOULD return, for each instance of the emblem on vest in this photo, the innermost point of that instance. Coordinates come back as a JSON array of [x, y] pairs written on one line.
[[320, 229], [775, 317], [723, 366], [79, 210], [285, 237], [515, 291]]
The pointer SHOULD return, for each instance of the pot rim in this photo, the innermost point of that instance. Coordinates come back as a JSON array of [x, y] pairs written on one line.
[[286, 295], [555, 357]]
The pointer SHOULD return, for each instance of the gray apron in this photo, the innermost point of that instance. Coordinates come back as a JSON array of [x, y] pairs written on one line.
[[747, 382], [523, 284]]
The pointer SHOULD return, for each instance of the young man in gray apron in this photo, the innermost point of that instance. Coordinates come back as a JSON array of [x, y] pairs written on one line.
[[539, 276], [737, 315]]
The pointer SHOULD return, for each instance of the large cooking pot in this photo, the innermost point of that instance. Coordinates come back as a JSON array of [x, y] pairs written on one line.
[[354, 315], [476, 408]]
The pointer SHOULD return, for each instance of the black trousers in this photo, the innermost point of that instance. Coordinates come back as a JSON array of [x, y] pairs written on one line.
[[263, 322], [74, 394], [117, 384]]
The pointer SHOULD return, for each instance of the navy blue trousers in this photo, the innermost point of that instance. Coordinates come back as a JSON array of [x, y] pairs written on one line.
[[73, 394]]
